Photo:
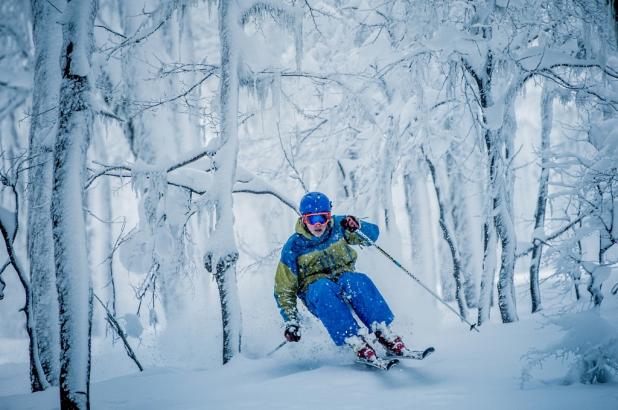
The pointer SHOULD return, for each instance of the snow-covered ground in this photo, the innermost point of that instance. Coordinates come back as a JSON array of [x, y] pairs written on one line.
[[468, 371]]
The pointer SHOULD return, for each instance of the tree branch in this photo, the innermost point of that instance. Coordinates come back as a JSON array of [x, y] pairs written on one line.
[[267, 192], [553, 235], [120, 332]]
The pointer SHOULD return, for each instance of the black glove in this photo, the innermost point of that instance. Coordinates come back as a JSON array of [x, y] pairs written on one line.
[[350, 223], [292, 333]]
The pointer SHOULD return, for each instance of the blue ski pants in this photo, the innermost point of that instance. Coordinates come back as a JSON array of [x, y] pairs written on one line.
[[332, 302]]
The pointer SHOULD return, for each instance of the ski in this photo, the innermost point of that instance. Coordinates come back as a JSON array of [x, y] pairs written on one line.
[[379, 363], [414, 354]]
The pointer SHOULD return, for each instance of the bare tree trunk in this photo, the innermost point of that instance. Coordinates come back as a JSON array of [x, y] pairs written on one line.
[[505, 219], [385, 177], [577, 270], [100, 238], [38, 380], [69, 228], [489, 271], [448, 286], [506, 286], [600, 271], [449, 237], [43, 129], [461, 227], [484, 81], [422, 236], [501, 209], [106, 245], [594, 288], [547, 99]]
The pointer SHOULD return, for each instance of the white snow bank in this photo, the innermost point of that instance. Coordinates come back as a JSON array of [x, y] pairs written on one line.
[[468, 371]]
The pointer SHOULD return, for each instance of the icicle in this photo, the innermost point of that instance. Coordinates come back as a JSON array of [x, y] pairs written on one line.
[[298, 40], [254, 87], [262, 90], [275, 85]]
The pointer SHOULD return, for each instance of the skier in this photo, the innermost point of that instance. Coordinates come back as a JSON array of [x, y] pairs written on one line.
[[317, 265]]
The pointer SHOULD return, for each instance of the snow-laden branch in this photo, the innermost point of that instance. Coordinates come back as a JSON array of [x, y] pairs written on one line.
[[247, 182], [108, 170], [611, 101], [264, 8], [157, 19], [543, 62], [192, 158], [198, 181], [534, 59], [184, 94], [553, 235], [290, 18]]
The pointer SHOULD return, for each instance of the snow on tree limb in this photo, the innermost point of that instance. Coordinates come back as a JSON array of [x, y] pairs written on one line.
[[546, 238], [246, 182], [155, 21]]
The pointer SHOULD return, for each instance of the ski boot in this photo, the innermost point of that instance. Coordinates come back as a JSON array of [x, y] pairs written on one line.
[[367, 355], [393, 344]]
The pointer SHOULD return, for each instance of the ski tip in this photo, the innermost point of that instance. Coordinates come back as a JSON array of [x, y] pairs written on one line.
[[428, 351]]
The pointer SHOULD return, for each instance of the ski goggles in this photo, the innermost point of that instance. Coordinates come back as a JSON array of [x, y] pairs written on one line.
[[316, 218]]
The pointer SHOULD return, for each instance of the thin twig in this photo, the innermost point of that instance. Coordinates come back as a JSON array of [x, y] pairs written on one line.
[[267, 192], [120, 332], [110, 30], [553, 235]]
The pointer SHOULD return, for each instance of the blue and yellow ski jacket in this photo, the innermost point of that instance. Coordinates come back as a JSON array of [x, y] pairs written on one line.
[[306, 258]]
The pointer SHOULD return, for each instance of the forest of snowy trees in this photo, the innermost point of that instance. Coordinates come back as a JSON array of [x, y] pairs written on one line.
[[130, 132]]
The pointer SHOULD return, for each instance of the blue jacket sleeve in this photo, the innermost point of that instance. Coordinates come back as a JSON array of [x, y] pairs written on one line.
[[370, 230]]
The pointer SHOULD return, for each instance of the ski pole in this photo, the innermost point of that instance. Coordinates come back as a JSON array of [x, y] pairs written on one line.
[[277, 348], [366, 238]]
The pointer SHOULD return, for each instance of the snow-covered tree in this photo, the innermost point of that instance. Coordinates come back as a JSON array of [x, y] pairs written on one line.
[[75, 122], [222, 254], [43, 127], [547, 101], [158, 133]]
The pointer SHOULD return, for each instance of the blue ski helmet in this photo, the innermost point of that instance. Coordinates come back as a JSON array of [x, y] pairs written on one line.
[[314, 202]]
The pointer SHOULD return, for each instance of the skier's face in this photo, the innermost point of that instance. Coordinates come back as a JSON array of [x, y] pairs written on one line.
[[317, 223], [317, 229]]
